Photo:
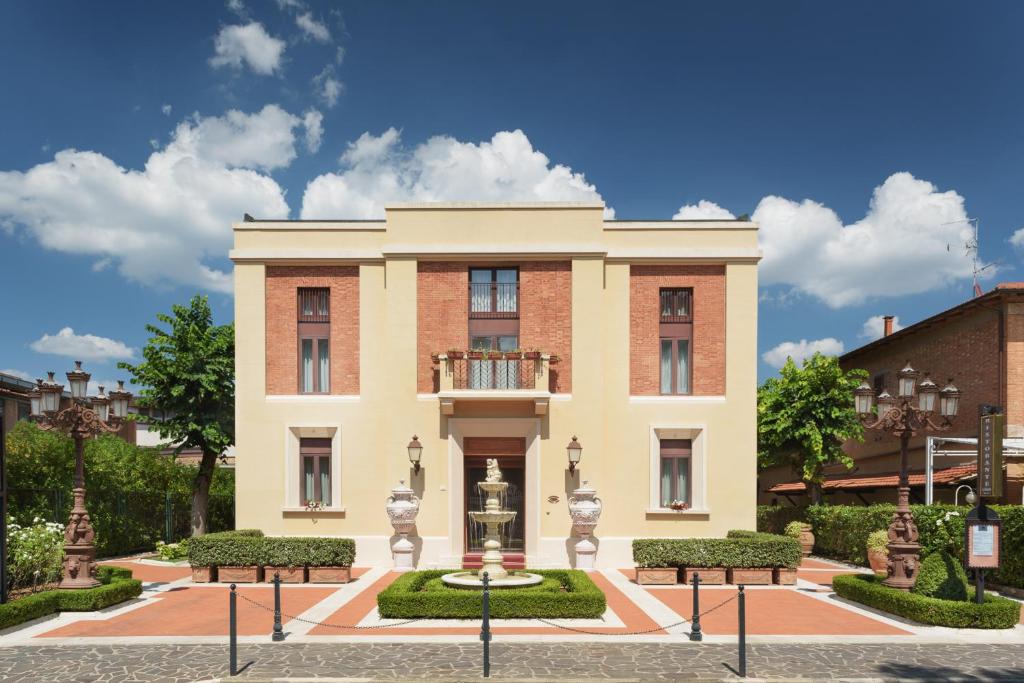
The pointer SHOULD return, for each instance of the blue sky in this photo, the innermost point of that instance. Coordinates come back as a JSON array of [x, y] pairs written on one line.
[[858, 134]]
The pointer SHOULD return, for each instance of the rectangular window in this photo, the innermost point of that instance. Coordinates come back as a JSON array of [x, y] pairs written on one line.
[[674, 482], [315, 475], [314, 325], [493, 293], [675, 336]]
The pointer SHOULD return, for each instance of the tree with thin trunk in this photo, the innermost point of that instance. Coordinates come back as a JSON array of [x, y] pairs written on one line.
[[803, 417], [188, 371]]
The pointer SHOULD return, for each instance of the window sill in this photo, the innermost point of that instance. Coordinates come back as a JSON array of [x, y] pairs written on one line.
[[669, 512], [688, 398], [307, 511]]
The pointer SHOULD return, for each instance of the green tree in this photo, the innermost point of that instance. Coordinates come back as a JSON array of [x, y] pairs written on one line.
[[804, 415], [188, 370]]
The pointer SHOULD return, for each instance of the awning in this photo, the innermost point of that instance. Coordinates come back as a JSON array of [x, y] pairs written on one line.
[[855, 482]]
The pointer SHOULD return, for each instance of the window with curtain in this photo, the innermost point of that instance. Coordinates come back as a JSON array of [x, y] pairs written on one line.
[[315, 475], [314, 327], [494, 292], [675, 340], [675, 471]]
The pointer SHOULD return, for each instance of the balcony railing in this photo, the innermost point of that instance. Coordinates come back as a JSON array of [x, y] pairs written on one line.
[[502, 376], [494, 300]]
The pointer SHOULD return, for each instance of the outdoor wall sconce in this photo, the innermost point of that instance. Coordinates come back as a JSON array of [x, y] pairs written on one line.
[[415, 453], [575, 452]]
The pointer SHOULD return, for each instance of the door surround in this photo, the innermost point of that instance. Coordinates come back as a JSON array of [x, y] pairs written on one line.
[[458, 429]]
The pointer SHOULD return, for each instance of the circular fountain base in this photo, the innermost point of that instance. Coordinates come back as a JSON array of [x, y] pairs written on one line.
[[472, 580]]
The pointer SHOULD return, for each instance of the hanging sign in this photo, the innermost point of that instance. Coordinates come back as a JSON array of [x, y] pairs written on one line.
[[990, 456]]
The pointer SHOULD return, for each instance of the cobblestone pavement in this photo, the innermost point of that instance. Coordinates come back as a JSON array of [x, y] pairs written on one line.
[[518, 661]]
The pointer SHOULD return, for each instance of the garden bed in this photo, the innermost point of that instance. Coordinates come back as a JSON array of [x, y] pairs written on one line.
[[564, 594], [242, 555], [117, 585], [995, 612]]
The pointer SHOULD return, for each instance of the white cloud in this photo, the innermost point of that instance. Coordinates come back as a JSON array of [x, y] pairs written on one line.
[[166, 109], [81, 346], [327, 87], [312, 121], [20, 374], [289, 4], [313, 29], [874, 327], [161, 223], [248, 45], [238, 8], [910, 241], [798, 351], [378, 169], [1017, 238], [702, 210]]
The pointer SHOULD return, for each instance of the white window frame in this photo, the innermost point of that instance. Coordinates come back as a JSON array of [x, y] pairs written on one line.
[[698, 437], [293, 434]]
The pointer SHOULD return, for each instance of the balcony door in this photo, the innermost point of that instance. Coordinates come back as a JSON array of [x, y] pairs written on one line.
[[511, 456], [494, 327]]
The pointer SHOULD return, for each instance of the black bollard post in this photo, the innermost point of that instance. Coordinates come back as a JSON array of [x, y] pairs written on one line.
[[485, 627], [278, 635], [695, 634], [743, 633], [233, 632]]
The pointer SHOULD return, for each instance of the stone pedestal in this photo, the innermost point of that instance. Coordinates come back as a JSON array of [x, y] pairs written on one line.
[[585, 511], [402, 508]]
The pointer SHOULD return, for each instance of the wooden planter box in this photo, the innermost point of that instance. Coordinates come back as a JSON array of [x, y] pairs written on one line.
[[657, 576], [239, 574], [712, 576], [288, 574], [761, 576], [204, 574], [784, 576], [330, 574]]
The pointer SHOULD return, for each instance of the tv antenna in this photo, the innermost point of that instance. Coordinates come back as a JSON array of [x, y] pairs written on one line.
[[971, 249]]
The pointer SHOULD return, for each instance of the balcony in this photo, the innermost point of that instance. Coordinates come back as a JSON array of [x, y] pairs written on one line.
[[494, 376]]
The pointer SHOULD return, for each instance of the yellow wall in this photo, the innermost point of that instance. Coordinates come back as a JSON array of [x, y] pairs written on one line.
[[614, 428]]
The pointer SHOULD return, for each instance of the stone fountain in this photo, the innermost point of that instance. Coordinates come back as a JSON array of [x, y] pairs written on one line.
[[493, 518]]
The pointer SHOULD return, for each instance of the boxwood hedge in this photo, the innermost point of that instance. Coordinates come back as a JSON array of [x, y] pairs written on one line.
[[410, 597], [117, 586], [741, 549], [250, 547], [995, 612]]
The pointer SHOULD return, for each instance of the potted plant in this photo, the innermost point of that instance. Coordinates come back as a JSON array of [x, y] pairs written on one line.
[[455, 354], [679, 505], [514, 354], [330, 559], [285, 557], [801, 531], [241, 559], [532, 354], [878, 551], [475, 354]]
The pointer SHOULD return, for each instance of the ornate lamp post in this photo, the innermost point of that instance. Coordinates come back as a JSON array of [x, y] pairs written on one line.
[[903, 419], [82, 419]]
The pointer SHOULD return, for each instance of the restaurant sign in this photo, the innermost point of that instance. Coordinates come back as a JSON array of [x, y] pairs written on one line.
[[990, 456]]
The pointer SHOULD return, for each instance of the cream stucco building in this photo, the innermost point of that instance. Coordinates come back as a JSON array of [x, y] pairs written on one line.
[[354, 336]]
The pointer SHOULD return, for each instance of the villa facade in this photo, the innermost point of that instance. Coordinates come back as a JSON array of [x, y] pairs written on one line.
[[496, 331]]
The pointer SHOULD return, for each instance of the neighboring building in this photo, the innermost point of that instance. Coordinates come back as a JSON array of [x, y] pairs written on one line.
[[980, 345], [14, 404], [648, 334], [144, 433]]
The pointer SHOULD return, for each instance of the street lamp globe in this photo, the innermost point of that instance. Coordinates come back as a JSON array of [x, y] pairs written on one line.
[[908, 381], [863, 397], [119, 399], [885, 403], [35, 399], [51, 392], [927, 393], [101, 406], [78, 379], [949, 401]]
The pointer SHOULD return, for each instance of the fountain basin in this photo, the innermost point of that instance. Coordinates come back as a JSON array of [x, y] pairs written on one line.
[[471, 579]]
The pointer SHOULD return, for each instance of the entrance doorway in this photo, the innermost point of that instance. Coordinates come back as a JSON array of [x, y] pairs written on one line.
[[511, 455]]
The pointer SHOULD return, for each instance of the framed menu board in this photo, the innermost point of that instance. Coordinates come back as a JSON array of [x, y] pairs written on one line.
[[983, 544]]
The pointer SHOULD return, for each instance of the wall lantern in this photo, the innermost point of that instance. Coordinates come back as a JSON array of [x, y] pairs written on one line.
[[863, 397], [908, 381], [101, 406], [949, 400], [119, 399], [927, 392], [415, 453], [885, 403], [575, 452], [79, 381], [51, 391]]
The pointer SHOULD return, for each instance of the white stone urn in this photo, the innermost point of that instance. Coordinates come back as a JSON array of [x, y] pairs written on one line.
[[402, 508], [585, 511]]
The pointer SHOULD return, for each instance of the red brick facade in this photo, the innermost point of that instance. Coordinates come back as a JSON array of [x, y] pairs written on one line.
[[708, 344], [282, 283], [442, 309]]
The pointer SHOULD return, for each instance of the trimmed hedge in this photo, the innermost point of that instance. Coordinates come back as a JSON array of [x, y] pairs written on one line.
[[941, 576], [741, 549], [995, 612], [409, 597], [117, 586], [249, 547]]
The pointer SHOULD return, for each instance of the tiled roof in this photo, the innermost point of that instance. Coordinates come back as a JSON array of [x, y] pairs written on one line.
[[855, 482]]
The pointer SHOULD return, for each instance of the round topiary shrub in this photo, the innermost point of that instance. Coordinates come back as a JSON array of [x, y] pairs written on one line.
[[942, 577]]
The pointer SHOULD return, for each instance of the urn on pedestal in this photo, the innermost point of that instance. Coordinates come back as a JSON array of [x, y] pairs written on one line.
[[402, 508], [585, 511]]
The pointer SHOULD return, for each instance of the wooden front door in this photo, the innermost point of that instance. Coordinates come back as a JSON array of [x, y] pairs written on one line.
[[511, 456]]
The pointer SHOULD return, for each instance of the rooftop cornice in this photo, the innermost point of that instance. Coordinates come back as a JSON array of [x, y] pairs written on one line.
[[484, 206], [715, 224]]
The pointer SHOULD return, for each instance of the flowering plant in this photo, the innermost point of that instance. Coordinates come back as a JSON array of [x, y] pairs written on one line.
[[35, 554], [679, 505], [314, 506], [172, 552]]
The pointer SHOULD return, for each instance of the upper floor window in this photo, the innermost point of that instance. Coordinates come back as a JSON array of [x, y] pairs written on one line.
[[314, 326], [675, 332], [493, 293]]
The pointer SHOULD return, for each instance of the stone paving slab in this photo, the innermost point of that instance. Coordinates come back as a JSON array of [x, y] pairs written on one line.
[[510, 661]]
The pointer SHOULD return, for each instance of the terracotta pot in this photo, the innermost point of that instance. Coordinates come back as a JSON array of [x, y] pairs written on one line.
[[879, 561], [711, 576], [657, 576], [759, 576], [806, 540], [784, 576], [532, 355], [512, 355], [249, 574], [456, 355], [330, 574], [204, 574], [288, 574]]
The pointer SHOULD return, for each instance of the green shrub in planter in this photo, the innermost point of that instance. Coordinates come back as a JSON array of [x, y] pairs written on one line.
[[941, 577], [285, 551], [742, 549], [995, 612], [228, 549], [330, 552], [877, 540], [794, 529]]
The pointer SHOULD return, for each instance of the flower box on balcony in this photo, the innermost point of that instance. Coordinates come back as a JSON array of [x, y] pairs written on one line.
[[760, 576], [711, 576], [287, 574], [204, 574], [455, 355], [475, 355], [657, 576], [249, 574], [513, 355], [330, 574], [532, 355]]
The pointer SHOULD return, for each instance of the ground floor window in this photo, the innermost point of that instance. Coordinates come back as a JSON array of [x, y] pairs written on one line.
[[312, 468], [316, 471], [675, 471], [678, 468]]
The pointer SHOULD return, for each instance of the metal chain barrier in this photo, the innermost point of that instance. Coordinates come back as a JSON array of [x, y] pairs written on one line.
[[637, 633], [324, 623]]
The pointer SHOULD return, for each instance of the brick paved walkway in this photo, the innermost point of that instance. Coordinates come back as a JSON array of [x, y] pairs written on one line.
[[551, 661]]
